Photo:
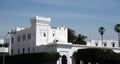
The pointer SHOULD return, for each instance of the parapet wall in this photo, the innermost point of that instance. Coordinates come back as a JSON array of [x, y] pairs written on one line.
[[40, 18]]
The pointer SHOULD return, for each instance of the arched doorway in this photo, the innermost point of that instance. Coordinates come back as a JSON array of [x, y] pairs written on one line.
[[64, 59], [77, 61]]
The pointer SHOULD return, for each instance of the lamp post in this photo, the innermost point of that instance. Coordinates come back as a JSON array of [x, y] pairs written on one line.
[[71, 59], [3, 49], [60, 59], [11, 34], [3, 58]]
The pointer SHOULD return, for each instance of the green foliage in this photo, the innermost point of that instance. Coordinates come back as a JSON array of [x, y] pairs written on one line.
[[80, 39], [32, 58], [94, 55], [54, 57], [71, 35], [4, 45], [117, 28], [1, 45], [101, 30], [76, 39]]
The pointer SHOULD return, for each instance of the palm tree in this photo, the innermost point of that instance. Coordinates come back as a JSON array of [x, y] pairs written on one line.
[[71, 35], [117, 29], [80, 39], [101, 31]]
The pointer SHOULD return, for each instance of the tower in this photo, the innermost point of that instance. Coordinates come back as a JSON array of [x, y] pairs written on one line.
[[41, 26]]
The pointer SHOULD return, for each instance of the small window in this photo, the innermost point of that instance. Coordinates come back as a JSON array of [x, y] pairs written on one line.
[[12, 40], [11, 51], [18, 51], [23, 37], [18, 38], [53, 34], [28, 49], [96, 44], [23, 50], [113, 45], [44, 35], [105, 44], [29, 36], [33, 49], [55, 40]]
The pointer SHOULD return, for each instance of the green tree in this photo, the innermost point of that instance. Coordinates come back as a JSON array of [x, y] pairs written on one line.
[[6, 44], [117, 29], [54, 57], [71, 35], [1, 45], [80, 39], [97, 55], [101, 31]]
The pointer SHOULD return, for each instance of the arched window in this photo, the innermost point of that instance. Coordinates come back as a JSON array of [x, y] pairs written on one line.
[[113, 44], [33, 49], [96, 44], [18, 51], [23, 50], [28, 49], [11, 51], [44, 35], [64, 59], [53, 34], [105, 44]]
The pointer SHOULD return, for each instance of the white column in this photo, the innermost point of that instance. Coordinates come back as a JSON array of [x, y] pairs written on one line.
[[71, 60], [89, 62], [9, 50], [59, 61], [81, 62]]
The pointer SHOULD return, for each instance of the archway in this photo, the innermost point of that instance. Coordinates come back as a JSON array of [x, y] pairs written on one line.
[[77, 61], [64, 59]]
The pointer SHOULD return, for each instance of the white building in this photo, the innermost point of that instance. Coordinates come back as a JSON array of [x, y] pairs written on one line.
[[3, 49], [106, 43], [1, 41], [41, 37]]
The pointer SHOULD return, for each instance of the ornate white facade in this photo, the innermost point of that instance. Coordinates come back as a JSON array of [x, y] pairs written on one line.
[[41, 37], [106, 43], [40, 33]]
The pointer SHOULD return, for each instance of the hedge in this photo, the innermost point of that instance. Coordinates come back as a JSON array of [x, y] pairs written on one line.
[[31, 58], [97, 55]]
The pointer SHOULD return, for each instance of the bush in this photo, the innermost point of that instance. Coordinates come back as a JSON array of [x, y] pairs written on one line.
[[32, 58], [94, 55]]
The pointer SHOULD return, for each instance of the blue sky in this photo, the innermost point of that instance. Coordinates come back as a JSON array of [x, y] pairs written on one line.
[[84, 16]]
